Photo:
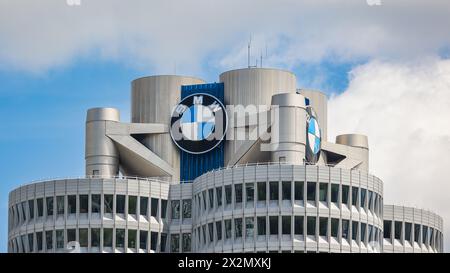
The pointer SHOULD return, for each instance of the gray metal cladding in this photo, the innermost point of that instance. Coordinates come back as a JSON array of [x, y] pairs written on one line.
[[253, 86], [152, 100]]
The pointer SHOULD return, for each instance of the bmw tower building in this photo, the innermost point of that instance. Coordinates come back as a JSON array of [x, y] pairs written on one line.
[[240, 165]]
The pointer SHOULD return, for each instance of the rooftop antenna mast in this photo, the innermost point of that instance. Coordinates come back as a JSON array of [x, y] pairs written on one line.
[[248, 51], [261, 60]]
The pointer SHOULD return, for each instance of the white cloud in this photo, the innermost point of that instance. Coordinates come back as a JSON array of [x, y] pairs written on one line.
[[39, 35], [404, 109]]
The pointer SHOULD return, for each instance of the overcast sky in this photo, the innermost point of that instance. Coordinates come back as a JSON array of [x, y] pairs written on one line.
[[385, 67]]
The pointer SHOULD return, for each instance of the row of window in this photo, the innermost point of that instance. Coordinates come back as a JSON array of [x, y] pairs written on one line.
[[52, 240], [297, 191], [411, 232], [93, 203], [249, 227]]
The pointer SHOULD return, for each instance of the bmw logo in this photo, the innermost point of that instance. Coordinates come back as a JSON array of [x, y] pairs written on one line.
[[198, 123], [313, 139]]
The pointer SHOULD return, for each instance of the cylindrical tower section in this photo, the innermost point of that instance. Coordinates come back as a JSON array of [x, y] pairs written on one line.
[[101, 155], [152, 100], [318, 101], [357, 141], [253, 86], [288, 133]]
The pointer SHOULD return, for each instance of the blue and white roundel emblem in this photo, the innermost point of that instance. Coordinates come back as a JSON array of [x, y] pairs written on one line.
[[313, 135], [198, 123]]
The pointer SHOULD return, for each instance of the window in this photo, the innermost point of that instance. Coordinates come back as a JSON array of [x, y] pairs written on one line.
[[273, 191], [107, 237], [228, 229], [95, 237], [219, 230], [49, 239], [363, 198], [345, 224], [387, 229], [40, 207], [132, 233], [219, 196], [163, 242], [311, 191], [175, 205], [238, 227], [174, 243], [370, 238], [31, 243], [323, 226], [323, 192], [363, 232], [60, 205], [354, 230], [60, 238], [238, 193], [311, 225], [154, 208], [334, 227], [211, 232], [39, 240], [416, 233], [132, 205], [23, 204], [261, 191], [163, 208], [249, 227], [286, 225], [31, 208], [354, 196], [334, 193], [204, 199], [273, 225], [261, 221], [298, 225], [345, 191], [298, 188], [108, 203], [228, 194], [95, 203], [370, 200], [249, 192], [186, 242], [408, 227], [120, 204], [143, 206], [71, 235], [23, 239], [83, 203], [398, 230], [120, 238], [49, 204], [153, 240], [286, 190], [211, 198], [204, 233], [187, 208], [83, 235], [143, 235]]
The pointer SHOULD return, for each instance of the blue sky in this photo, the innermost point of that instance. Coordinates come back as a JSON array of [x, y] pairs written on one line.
[[42, 116], [56, 61]]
